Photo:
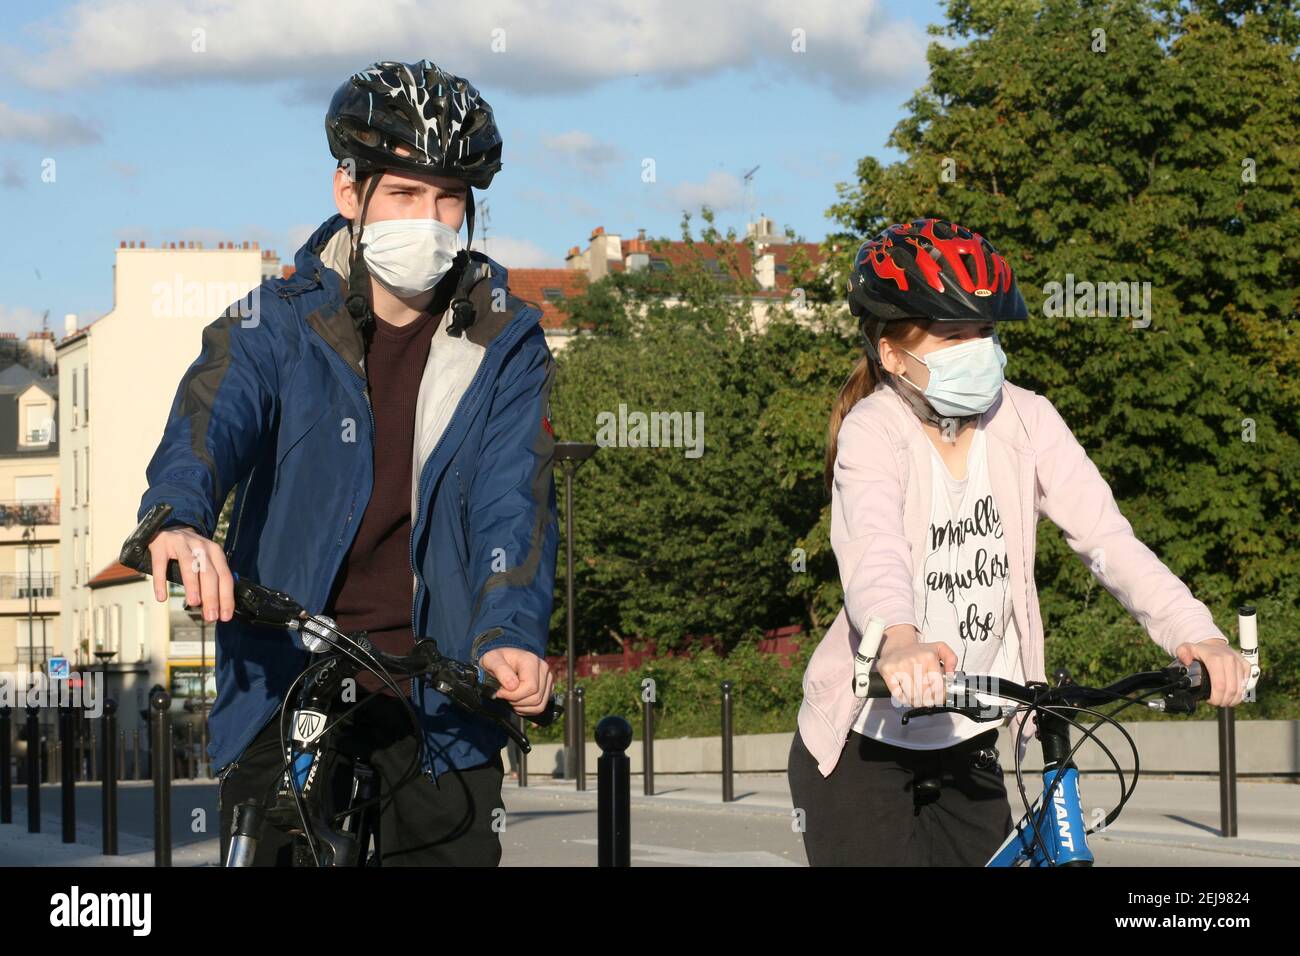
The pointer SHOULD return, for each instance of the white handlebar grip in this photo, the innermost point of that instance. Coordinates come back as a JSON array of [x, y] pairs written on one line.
[[868, 647], [1248, 637]]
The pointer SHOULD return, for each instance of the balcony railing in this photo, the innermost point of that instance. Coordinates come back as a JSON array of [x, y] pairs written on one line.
[[28, 512], [16, 584], [35, 654]]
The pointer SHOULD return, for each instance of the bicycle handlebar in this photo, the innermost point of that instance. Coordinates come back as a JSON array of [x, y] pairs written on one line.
[[465, 684]]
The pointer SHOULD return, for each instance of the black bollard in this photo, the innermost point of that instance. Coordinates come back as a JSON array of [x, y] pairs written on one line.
[[94, 755], [160, 762], [1227, 772], [613, 793], [109, 795], [55, 752], [648, 745], [121, 753], [580, 737], [33, 771], [728, 785], [6, 776], [68, 778], [135, 754]]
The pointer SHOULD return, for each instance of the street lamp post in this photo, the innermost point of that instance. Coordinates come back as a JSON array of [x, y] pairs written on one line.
[[570, 454]]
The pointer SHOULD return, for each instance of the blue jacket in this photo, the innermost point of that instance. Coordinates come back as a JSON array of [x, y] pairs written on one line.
[[276, 406]]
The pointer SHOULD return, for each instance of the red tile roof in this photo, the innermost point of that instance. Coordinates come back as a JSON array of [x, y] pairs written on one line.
[[531, 285], [115, 573]]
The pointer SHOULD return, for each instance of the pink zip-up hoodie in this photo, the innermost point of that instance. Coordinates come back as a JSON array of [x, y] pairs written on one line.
[[880, 504]]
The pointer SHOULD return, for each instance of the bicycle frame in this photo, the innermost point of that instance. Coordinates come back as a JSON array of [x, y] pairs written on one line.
[[1064, 835]]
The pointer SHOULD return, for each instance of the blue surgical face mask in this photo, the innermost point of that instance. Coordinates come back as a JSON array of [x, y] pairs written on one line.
[[965, 379]]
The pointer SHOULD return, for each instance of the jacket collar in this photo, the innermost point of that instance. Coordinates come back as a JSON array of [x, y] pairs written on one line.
[[323, 260]]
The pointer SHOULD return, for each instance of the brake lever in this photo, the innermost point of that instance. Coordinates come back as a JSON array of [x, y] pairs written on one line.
[[460, 682]]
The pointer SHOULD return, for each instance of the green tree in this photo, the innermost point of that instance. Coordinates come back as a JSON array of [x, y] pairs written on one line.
[[1134, 142]]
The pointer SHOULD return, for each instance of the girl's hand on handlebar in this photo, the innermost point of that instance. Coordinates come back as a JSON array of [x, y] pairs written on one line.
[[1226, 669], [206, 576], [913, 671]]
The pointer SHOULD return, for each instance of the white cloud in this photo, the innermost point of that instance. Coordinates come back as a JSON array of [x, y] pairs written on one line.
[[46, 129], [548, 48], [584, 151], [518, 253], [720, 191]]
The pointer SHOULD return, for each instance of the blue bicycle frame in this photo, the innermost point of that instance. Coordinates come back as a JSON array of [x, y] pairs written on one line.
[[1057, 837]]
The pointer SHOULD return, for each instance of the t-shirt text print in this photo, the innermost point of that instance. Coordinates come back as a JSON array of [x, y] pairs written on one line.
[[965, 577], [963, 598]]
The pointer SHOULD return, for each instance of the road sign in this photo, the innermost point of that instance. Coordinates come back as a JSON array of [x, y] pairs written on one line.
[[59, 669]]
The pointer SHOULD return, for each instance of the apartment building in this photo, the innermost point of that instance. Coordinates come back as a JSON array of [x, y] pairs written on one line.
[[29, 510], [117, 379], [768, 261]]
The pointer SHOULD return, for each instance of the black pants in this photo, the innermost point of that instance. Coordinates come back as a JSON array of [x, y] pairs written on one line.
[[449, 823], [871, 812]]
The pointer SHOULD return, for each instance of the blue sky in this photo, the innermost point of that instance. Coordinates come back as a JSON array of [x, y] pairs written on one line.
[[202, 119]]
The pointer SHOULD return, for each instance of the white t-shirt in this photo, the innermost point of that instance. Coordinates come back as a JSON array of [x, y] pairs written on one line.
[[963, 598]]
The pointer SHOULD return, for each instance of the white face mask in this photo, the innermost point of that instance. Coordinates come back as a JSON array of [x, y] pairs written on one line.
[[965, 379], [409, 256]]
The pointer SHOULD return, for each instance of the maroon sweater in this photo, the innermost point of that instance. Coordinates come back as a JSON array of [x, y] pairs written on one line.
[[373, 591]]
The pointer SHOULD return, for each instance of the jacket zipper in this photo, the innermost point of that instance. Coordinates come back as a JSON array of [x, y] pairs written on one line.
[[470, 393]]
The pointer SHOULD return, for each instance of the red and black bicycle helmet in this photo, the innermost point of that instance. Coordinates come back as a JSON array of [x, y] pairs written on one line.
[[930, 269]]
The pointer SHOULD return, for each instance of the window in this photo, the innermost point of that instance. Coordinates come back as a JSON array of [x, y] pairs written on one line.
[[659, 265], [552, 294], [36, 429], [76, 478], [115, 629], [85, 390], [99, 629], [139, 630], [76, 414], [86, 499], [782, 269], [76, 558]]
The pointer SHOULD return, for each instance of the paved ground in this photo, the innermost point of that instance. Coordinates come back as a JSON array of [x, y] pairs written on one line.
[[1169, 822]]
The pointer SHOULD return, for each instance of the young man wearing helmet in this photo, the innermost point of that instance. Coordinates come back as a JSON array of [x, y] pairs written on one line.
[[938, 470], [383, 417]]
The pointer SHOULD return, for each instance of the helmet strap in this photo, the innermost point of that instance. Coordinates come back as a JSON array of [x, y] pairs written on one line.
[[462, 310], [359, 297]]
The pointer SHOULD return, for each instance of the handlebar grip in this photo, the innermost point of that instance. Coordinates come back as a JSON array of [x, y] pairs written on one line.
[[876, 686], [554, 707], [254, 602]]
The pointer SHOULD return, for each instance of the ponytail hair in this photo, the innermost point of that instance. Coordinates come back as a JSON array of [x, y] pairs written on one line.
[[862, 381]]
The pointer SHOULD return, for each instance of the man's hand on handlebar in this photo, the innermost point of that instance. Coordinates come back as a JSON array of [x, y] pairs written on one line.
[[526, 679], [1225, 667], [208, 581], [913, 671]]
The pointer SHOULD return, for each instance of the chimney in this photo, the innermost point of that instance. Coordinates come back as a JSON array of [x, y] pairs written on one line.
[[69, 323]]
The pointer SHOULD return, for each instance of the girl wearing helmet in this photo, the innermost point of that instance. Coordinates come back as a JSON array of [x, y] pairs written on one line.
[[938, 470]]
